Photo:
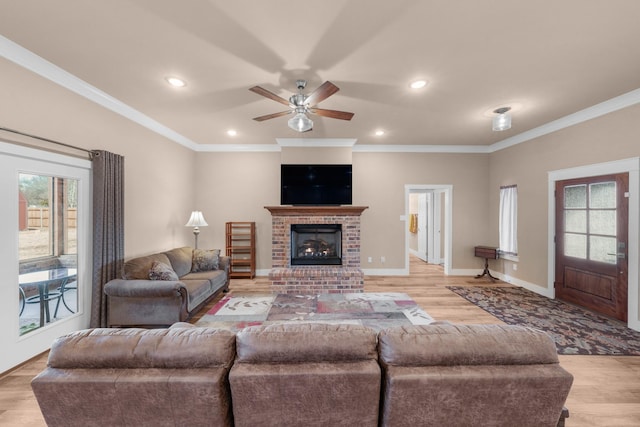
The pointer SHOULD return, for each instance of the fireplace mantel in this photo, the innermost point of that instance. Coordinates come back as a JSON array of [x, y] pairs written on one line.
[[316, 210]]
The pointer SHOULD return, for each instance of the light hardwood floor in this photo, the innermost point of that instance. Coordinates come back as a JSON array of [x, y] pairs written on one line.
[[606, 389]]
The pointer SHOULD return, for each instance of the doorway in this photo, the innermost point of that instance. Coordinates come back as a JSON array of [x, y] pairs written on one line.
[[45, 253], [631, 167], [428, 234]]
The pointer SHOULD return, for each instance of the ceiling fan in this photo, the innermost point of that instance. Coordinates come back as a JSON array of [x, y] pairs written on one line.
[[301, 104]]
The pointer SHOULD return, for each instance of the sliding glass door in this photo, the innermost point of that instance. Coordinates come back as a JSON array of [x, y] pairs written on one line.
[[45, 249]]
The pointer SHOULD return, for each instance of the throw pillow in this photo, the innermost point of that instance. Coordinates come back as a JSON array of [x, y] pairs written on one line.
[[205, 260], [161, 271]]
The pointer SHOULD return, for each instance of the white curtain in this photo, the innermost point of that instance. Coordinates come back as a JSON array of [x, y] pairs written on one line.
[[509, 220]]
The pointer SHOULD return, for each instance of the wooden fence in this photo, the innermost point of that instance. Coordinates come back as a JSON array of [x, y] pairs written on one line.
[[39, 217]]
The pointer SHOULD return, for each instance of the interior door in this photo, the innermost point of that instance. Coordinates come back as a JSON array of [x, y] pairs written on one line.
[[591, 243]]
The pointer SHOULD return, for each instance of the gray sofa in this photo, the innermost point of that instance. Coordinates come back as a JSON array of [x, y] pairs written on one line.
[[182, 286], [298, 374]]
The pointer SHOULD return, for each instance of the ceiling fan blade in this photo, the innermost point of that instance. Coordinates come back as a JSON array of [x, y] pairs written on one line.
[[262, 91], [272, 116], [334, 114], [323, 92]]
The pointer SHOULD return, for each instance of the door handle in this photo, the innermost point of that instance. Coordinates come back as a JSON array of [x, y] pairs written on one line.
[[620, 255]]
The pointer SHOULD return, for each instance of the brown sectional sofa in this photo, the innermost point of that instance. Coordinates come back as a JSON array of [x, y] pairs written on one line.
[[136, 300], [298, 374]]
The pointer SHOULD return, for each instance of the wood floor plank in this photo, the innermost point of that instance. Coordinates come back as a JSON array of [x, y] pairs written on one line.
[[606, 390]]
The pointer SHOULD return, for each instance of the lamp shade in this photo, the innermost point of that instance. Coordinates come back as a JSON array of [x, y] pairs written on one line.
[[300, 122], [196, 220]]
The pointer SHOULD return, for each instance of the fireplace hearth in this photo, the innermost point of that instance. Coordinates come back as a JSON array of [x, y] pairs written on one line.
[[316, 244]]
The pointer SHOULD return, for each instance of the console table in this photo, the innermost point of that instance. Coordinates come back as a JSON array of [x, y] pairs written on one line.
[[486, 252]]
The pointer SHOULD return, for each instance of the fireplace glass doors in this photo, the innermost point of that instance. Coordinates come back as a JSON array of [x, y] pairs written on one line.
[[316, 244]]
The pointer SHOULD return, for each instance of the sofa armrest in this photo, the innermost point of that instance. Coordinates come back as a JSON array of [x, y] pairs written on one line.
[[144, 288], [223, 263]]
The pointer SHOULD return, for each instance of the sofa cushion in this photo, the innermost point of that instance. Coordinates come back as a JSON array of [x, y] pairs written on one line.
[[143, 348], [181, 259], [306, 342], [449, 345], [138, 268], [198, 290], [205, 260], [162, 271]]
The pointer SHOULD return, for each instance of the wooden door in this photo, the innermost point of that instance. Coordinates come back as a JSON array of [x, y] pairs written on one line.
[[591, 243]]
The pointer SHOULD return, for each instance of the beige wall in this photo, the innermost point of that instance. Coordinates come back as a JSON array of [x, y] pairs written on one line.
[[614, 136], [159, 174], [237, 187], [379, 180]]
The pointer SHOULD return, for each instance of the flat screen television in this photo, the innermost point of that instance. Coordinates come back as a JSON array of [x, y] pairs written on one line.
[[315, 185]]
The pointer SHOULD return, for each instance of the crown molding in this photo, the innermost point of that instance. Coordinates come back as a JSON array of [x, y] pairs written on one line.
[[316, 142], [237, 148], [421, 149]]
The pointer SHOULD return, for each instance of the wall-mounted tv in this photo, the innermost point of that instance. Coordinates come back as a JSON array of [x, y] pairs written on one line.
[[315, 185]]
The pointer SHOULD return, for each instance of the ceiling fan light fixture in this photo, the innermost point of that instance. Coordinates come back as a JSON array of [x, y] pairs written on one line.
[[300, 123], [502, 119]]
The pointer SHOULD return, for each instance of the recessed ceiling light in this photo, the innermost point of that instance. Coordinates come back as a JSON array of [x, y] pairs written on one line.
[[175, 82], [418, 84], [379, 132], [232, 132]]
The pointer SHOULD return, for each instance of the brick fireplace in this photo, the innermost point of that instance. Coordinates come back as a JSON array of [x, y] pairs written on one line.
[[345, 277]]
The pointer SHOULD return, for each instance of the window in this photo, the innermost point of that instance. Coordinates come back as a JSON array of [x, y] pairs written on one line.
[[590, 228], [508, 226]]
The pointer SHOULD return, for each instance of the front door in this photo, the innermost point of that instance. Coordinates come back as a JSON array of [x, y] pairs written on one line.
[[591, 243]]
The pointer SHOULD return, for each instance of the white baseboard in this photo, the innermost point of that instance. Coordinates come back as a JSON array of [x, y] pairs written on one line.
[[463, 272], [549, 293]]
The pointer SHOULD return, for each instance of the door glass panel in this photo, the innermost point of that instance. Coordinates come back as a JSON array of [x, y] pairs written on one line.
[[602, 195], [602, 249], [575, 245], [602, 222], [47, 250], [575, 221], [575, 196]]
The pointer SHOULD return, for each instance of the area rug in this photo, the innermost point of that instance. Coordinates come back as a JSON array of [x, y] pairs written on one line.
[[375, 310], [575, 330]]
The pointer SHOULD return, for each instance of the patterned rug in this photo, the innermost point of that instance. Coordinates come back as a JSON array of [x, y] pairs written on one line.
[[575, 330], [376, 310]]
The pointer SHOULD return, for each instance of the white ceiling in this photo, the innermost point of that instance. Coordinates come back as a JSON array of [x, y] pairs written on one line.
[[546, 58]]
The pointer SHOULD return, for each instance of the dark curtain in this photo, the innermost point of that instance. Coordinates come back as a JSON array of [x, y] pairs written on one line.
[[108, 229]]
